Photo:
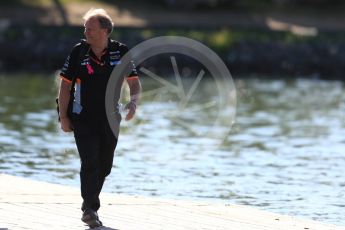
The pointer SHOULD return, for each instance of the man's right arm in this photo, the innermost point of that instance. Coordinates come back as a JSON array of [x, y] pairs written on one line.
[[64, 96], [67, 74]]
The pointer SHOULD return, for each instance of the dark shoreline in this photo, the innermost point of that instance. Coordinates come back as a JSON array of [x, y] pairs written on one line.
[[248, 52]]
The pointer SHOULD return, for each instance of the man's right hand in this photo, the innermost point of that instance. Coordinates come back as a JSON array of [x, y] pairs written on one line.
[[66, 124]]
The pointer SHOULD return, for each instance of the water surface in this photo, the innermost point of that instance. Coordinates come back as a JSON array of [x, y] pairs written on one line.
[[284, 153]]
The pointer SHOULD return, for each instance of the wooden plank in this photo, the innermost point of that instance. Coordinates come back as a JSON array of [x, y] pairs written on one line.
[[28, 204]]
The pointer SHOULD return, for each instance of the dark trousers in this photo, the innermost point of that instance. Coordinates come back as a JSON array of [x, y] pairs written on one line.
[[96, 146]]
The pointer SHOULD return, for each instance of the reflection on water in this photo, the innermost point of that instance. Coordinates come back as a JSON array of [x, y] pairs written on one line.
[[283, 154]]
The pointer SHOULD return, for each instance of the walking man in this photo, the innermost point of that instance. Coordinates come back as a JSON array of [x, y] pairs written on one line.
[[86, 71]]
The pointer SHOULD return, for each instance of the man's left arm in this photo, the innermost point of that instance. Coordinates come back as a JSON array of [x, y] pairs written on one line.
[[135, 91]]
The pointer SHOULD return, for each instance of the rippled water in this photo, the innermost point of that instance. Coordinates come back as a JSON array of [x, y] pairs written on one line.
[[284, 153]]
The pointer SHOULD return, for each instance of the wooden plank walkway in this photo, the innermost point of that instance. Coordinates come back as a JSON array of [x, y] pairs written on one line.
[[28, 204]]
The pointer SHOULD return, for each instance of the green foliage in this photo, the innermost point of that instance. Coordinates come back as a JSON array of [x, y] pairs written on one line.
[[223, 39]]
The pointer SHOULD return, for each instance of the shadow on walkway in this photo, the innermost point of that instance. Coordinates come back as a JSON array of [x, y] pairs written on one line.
[[103, 228]]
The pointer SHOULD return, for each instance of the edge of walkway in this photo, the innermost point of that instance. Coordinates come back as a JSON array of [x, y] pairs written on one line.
[[29, 204]]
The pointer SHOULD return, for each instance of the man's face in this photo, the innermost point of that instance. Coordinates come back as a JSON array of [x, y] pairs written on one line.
[[93, 32]]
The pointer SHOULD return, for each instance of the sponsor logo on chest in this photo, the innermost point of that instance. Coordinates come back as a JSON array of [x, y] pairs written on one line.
[[114, 57]]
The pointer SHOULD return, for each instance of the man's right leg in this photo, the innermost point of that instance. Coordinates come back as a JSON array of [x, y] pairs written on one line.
[[89, 149]]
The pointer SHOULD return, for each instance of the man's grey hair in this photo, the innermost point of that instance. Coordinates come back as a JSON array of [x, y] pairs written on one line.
[[102, 16]]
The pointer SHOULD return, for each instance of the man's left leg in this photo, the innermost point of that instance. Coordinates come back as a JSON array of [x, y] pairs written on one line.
[[108, 145]]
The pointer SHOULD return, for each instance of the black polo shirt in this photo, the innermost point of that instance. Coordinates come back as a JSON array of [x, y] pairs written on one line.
[[92, 75]]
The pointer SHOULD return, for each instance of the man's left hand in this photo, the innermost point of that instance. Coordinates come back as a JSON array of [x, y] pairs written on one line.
[[131, 107]]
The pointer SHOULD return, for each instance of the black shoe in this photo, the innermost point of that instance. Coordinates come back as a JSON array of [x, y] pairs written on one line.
[[90, 217]]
